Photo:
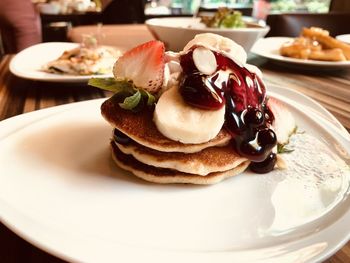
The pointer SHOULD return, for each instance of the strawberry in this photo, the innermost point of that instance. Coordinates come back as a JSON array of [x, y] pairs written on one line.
[[284, 123], [143, 65]]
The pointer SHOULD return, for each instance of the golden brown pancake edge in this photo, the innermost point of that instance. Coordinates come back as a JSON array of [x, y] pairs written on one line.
[[169, 176], [209, 160]]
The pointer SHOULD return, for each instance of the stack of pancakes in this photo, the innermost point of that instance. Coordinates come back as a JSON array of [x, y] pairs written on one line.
[[155, 158]]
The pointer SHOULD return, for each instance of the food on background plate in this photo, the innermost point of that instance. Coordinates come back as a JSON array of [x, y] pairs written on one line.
[[197, 116], [224, 18], [88, 58], [316, 44]]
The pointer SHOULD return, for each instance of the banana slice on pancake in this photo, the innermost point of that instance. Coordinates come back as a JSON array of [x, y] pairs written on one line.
[[181, 122]]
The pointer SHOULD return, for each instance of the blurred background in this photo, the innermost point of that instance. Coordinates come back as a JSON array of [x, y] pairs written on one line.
[[27, 22]]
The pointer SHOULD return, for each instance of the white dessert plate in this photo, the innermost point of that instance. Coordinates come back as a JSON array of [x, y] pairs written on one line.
[[28, 63], [269, 48], [345, 38], [60, 190]]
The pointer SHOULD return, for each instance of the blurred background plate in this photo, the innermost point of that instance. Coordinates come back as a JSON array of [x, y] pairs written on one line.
[[176, 32], [28, 63], [269, 48]]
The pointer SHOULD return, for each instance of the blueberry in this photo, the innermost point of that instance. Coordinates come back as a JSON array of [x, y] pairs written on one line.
[[267, 138], [121, 138], [265, 166], [253, 117]]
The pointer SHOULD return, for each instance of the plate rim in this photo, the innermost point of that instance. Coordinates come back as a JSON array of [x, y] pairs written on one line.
[[344, 37]]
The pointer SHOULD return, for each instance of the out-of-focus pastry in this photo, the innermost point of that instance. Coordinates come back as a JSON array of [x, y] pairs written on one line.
[[300, 47], [316, 44], [88, 58]]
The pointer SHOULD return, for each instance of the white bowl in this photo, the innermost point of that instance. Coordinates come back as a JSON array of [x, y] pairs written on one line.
[[175, 32]]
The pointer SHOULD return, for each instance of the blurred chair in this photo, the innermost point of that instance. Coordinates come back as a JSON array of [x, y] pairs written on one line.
[[290, 24], [123, 11], [122, 36], [339, 6], [19, 25], [2, 51]]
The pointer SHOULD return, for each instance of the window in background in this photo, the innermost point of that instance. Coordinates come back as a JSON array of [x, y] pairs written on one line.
[[276, 5], [313, 6], [190, 6]]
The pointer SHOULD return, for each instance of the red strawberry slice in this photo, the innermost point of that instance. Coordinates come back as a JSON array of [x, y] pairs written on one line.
[[144, 65], [284, 123]]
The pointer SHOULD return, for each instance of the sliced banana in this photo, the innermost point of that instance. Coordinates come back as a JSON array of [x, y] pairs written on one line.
[[181, 122], [220, 44], [284, 124]]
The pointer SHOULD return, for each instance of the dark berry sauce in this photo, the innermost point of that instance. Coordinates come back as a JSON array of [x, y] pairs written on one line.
[[264, 166], [243, 93]]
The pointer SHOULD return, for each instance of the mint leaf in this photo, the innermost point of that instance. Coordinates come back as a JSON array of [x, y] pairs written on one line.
[[111, 84], [133, 97], [132, 101], [150, 98], [282, 148]]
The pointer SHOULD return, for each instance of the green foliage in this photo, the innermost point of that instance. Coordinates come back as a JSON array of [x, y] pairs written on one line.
[[304, 5], [131, 102], [224, 18]]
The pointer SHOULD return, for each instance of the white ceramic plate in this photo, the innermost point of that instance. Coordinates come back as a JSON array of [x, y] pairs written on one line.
[[345, 38], [60, 190], [27, 63], [269, 48]]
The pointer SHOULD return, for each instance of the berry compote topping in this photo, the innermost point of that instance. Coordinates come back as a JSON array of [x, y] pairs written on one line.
[[264, 166], [247, 116]]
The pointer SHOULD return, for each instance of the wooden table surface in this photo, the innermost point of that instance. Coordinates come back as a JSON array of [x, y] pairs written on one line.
[[331, 89]]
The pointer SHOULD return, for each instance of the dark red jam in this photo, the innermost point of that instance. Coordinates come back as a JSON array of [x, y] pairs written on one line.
[[243, 93]]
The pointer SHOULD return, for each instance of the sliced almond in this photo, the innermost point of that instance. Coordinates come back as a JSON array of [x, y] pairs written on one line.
[[205, 61], [281, 163]]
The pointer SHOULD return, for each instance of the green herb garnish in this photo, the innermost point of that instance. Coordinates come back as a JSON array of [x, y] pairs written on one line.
[[283, 148], [111, 84], [150, 98], [132, 96], [131, 102]]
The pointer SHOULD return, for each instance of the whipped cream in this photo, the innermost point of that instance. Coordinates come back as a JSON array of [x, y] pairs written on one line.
[[178, 121], [220, 44]]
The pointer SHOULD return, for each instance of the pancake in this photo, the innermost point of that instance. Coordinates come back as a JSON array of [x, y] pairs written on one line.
[[209, 160], [167, 176], [141, 128]]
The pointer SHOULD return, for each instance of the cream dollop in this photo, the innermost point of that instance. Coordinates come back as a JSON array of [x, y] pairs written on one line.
[[219, 44]]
